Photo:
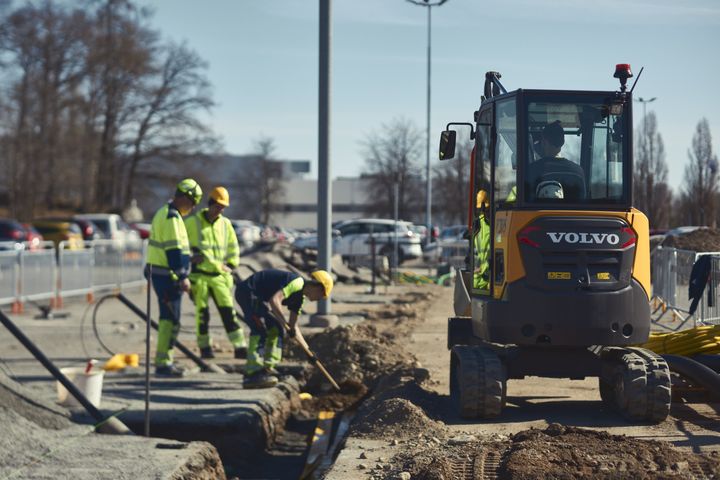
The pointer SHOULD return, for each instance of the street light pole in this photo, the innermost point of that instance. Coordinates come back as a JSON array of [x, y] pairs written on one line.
[[428, 179], [644, 104]]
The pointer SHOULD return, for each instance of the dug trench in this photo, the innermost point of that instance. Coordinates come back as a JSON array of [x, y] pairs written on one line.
[[404, 425]]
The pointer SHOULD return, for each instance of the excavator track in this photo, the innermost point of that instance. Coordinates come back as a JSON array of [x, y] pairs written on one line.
[[635, 382], [477, 381]]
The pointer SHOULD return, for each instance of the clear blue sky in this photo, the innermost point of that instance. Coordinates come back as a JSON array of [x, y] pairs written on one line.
[[263, 63]]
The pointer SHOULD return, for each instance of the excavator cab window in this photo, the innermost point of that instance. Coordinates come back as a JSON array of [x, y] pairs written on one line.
[[575, 151]]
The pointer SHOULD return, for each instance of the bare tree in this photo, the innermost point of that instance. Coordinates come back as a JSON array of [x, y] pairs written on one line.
[[392, 157], [119, 60], [652, 192], [451, 188], [165, 120], [261, 186], [700, 188], [87, 95]]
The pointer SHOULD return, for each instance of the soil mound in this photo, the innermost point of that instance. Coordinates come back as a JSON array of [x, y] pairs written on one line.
[[356, 353], [559, 452], [569, 452], [397, 417], [700, 240]]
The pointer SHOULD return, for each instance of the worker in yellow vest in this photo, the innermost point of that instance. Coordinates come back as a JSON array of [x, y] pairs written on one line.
[[481, 243], [215, 253], [168, 261]]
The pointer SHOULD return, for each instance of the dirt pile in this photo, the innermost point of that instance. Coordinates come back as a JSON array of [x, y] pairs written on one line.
[[365, 352], [701, 240], [398, 418], [558, 452], [356, 353]]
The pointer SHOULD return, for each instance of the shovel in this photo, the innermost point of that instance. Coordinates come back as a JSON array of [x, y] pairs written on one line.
[[311, 356]]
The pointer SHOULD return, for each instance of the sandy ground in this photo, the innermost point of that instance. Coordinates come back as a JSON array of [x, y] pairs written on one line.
[[537, 402], [550, 428]]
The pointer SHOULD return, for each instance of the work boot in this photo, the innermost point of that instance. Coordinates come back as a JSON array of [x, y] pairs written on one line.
[[207, 352], [169, 371], [271, 371], [259, 380], [241, 352]]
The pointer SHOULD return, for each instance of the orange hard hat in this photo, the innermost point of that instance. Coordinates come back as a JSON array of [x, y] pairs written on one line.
[[221, 196]]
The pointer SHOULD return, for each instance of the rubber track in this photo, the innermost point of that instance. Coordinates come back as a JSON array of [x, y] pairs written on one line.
[[658, 385], [479, 381], [632, 398]]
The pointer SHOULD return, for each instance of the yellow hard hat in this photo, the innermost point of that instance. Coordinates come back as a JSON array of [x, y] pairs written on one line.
[[325, 279], [481, 200], [191, 188], [221, 196]]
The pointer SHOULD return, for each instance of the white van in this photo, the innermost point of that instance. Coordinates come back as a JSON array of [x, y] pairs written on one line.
[[114, 228]]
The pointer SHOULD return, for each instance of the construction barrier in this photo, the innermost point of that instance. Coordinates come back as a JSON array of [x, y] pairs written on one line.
[[47, 273], [670, 273], [9, 270], [75, 271], [37, 273]]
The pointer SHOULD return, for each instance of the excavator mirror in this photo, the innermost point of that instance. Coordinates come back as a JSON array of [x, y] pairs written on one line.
[[447, 144]]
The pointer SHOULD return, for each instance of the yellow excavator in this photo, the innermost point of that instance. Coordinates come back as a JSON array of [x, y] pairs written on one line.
[[567, 279]]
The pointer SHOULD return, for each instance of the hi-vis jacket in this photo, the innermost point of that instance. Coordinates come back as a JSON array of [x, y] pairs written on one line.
[[216, 242], [168, 246]]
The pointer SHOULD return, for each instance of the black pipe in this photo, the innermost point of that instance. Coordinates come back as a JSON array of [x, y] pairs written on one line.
[[106, 425], [710, 361], [696, 372], [208, 367]]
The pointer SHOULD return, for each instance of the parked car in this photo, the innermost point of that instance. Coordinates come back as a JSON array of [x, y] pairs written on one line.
[[88, 229], [114, 228], [247, 232], [11, 231], [450, 243], [353, 237], [58, 231], [32, 237], [143, 229]]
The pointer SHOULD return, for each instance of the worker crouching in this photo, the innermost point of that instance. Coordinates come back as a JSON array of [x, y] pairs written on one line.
[[261, 297], [215, 253]]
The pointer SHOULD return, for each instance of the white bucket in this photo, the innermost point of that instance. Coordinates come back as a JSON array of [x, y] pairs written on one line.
[[90, 384]]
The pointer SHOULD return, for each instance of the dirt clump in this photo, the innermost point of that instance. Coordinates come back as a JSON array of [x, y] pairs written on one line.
[[700, 240]]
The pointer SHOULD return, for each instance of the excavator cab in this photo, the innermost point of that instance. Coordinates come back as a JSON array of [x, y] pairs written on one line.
[[566, 266]]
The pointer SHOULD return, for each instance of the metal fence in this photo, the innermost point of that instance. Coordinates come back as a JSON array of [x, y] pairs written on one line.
[[670, 273], [53, 273]]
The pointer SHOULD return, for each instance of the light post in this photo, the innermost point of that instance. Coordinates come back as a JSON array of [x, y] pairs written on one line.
[[644, 102], [647, 193], [428, 180]]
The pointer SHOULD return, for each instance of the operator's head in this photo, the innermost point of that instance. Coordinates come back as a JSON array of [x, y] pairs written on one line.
[[319, 287], [187, 195], [219, 199], [553, 138]]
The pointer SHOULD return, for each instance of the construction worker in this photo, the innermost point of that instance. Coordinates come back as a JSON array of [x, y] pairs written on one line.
[[215, 253], [168, 259], [481, 243], [261, 297]]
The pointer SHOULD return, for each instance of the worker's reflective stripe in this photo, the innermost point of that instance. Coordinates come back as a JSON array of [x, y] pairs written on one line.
[[170, 244], [292, 287], [158, 270]]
